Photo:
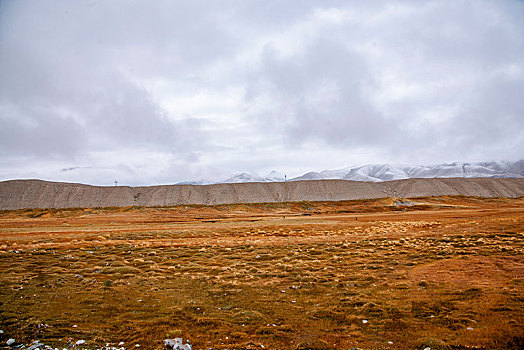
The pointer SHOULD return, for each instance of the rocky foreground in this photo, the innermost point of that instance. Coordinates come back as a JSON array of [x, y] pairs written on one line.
[[20, 194], [12, 344]]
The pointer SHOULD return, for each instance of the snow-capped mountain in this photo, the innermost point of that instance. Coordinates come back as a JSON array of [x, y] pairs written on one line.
[[376, 172], [481, 169], [244, 177], [326, 174], [335, 174], [201, 182], [387, 172], [273, 176], [312, 175]]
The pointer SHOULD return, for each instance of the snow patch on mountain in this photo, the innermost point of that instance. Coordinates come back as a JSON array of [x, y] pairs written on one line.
[[312, 175], [245, 177], [273, 176], [387, 172], [376, 172]]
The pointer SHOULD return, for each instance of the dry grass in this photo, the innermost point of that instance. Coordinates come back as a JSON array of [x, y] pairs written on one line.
[[282, 275]]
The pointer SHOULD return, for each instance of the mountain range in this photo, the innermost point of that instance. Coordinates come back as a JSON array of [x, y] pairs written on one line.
[[386, 172], [21, 194]]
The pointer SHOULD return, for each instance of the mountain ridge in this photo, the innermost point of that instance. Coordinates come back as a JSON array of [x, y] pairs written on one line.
[[22, 194], [387, 172]]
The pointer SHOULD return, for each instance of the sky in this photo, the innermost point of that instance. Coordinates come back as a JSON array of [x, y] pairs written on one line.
[[159, 92]]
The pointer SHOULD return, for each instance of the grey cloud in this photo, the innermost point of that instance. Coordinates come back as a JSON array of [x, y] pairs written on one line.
[[320, 93], [125, 115], [39, 131], [493, 121], [74, 168], [461, 56], [106, 114], [331, 101], [451, 50], [64, 88], [106, 85]]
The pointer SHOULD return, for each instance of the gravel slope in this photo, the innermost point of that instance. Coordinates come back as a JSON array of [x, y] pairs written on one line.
[[19, 194]]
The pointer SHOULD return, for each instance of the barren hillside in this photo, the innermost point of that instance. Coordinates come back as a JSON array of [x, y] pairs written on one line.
[[19, 194]]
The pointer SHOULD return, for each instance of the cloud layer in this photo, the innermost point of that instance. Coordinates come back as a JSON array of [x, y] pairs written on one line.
[[167, 91]]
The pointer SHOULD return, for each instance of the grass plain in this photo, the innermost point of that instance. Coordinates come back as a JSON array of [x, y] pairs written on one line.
[[443, 272]]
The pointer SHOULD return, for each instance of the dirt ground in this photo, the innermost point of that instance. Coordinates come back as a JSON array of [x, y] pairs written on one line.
[[443, 273]]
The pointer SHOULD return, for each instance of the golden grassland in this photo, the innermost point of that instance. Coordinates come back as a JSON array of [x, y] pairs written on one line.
[[444, 273]]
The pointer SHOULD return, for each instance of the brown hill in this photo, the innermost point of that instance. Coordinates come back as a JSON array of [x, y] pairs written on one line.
[[19, 194]]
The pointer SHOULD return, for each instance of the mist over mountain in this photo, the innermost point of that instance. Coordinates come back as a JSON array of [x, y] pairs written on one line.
[[387, 172]]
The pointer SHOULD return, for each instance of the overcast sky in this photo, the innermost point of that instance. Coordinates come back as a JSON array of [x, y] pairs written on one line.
[[157, 92]]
